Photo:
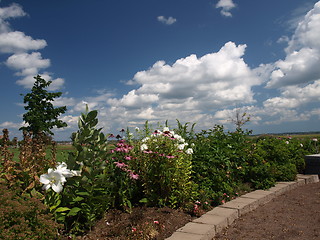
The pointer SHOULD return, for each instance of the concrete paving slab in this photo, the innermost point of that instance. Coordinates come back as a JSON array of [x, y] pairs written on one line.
[[261, 196], [230, 214], [187, 236], [198, 228], [308, 178], [243, 205], [218, 221]]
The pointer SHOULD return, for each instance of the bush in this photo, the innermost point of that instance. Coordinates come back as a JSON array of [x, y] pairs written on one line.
[[24, 217], [219, 162]]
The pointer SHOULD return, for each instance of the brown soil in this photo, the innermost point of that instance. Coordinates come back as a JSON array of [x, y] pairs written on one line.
[[142, 224], [293, 215]]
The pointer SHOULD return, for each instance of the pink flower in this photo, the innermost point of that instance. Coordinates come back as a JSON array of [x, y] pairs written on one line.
[[223, 201], [132, 175], [133, 229], [156, 222], [121, 165], [127, 157], [170, 156]]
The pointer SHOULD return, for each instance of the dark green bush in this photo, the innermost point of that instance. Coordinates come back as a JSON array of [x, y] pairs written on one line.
[[23, 217]]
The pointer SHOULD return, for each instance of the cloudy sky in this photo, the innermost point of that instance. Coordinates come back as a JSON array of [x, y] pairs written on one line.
[[196, 61]]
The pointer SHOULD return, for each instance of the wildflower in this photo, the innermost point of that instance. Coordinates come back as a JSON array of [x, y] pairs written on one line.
[[170, 156], [137, 129], [128, 158], [53, 179], [166, 129], [121, 165], [189, 151], [301, 145], [287, 142], [132, 175], [133, 229], [156, 222], [111, 136], [223, 201], [315, 140], [143, 147]]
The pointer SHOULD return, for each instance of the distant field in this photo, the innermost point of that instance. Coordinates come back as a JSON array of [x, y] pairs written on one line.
[[293, 135], [62, 152]]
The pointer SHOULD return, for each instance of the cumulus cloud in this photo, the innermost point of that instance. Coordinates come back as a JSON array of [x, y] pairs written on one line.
[[190, 88], [18, 44], [13, 42], [167, 21], [226, 6], [302, 61]]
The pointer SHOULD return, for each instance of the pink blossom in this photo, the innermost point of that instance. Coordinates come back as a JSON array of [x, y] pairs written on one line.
[[132, 175], [127, 157], [121, 165], [156, 222], [170, 156]]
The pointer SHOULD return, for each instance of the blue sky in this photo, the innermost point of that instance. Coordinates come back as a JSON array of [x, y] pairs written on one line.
[[196, 61]]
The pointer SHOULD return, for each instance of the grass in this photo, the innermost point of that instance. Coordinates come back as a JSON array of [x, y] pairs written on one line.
[[61, 155]]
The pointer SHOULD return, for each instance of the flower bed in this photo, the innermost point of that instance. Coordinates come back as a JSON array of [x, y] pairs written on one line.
[[154, 168]]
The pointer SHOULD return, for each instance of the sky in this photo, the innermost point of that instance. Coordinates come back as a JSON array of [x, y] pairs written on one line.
[[198, 61]]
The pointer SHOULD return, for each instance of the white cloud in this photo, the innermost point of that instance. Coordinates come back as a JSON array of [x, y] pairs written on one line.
[[27, 64], [28, 81], [15, 42], [302, 61], [12, 11], [167, 21], [226, 6], [190, 88]]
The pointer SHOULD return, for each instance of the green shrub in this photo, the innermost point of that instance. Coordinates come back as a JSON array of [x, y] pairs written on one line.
[[23, 217], [276, 152], [219, 162]]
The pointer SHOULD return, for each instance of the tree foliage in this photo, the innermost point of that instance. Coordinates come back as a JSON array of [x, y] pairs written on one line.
[[41, 115]]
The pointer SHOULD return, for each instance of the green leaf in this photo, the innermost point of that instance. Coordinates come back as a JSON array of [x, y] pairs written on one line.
[[74, 211], [92, 115], [78, 199], [143, 200], [83, 193], [62, 209]]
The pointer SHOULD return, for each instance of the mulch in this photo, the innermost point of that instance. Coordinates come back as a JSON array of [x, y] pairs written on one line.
[[294, 215]]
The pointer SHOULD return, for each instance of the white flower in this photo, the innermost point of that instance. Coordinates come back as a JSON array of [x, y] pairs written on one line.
[[137, 129], [53, 179], [145, 139], [189, 151], [143, 147], [287, 142], [315, 140], [301, 145], [76, 173], [181, 146], [62, 168], [166, 129]]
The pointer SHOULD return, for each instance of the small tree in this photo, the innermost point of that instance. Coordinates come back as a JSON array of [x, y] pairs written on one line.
[[41, 115], [240, 118]]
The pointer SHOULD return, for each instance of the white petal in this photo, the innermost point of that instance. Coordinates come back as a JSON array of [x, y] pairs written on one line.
[[57, 187], [44, 179]]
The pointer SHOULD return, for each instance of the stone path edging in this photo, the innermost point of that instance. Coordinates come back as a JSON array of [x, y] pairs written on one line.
[[214, 221]]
